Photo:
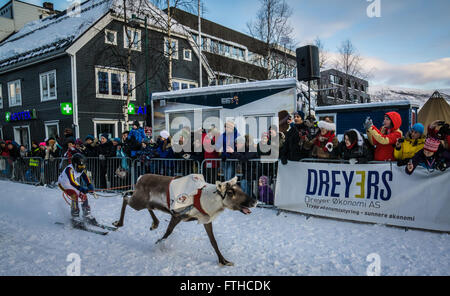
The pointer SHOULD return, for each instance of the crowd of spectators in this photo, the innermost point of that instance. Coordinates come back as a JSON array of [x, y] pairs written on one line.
[[302, 137]]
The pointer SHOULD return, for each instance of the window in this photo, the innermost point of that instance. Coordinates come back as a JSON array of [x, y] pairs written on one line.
[[22, 135], [102, 126], [1, 98], [183, 84], [115, 84], [214, 46], [48, 85], [173, 47], [226, 49], [204, 43], [111, 83], [14, 93], [187, 54], [51, 129], [132, 38], [103, 84], [110, 37], [241, 54]]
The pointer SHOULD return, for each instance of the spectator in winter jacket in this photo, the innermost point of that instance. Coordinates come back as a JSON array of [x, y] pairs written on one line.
[[325, 141], [89, 149], [384, 139], [53, 149], [439, 129], [68, 136], [14, 152], [3, 149], [297, 135], [128, 143], [164, 148], [407, 147], [71, 150], [35, 150], [136, 135], [23, 151], [105, 148], [431, 157], [354, 147]]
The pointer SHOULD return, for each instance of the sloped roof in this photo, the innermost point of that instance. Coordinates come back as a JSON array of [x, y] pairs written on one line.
[[436, 108], [51, 33], [54, 34]]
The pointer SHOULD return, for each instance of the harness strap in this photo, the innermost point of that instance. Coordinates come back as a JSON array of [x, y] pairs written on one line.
[[197, 204], [168, 194]]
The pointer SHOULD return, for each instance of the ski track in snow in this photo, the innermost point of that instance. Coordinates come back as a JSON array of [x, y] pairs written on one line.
[[262, 243]]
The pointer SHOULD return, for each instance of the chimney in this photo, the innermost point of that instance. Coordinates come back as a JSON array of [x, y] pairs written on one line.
[[48, 5]]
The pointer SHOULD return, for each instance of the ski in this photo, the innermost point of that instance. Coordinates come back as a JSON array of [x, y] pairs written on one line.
[[84, 228], [103, 226]]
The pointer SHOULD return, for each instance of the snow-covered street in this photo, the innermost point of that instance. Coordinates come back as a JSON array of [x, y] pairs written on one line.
[[262, 243]]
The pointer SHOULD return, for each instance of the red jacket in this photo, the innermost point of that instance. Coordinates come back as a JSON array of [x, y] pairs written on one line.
[[384, 140], [208, 155]]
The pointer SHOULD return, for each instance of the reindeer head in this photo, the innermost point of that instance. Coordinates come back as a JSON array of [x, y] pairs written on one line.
[[234, 198]]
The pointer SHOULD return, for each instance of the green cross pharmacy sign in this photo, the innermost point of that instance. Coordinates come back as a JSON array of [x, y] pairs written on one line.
[[8, 116], [66, 109], [131, 109]]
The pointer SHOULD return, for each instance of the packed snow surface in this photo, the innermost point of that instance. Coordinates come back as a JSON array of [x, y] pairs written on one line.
[[262, 243]]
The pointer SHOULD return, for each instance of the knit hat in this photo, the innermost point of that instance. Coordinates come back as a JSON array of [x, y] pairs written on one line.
[[116, 140], [418, 127], [42, 144], [300, 113], [136, 123], [431, 144], [104, 136], [89, 137], [164, 134]]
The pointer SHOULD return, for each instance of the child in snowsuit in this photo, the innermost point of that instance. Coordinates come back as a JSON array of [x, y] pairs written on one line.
[[265, 193], [68, 182]]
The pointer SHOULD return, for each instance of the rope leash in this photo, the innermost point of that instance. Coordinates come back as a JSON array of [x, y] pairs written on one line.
[[67, 198]]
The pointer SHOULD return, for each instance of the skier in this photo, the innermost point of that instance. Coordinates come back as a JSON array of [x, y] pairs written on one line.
[[68, 182]]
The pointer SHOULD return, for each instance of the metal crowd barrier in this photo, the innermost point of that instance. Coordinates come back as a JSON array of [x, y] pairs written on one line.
[[26, 170], [164, 166], [257, 177]]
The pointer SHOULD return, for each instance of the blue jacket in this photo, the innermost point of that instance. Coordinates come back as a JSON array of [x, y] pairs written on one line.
[[223, 141], [138, 135]]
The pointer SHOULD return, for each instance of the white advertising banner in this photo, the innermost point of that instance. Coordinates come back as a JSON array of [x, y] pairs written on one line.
[[378, 193]]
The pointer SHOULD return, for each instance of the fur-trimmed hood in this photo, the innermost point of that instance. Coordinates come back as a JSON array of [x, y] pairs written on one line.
[[329, 126]]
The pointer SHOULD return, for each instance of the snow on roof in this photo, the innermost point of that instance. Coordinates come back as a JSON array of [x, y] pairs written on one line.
[[366, 105], [60, 30], [52, 32], [247, 86]]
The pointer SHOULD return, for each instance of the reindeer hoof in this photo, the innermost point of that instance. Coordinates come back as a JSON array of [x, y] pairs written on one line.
[[160, 240], [154, 226], [117, 224], [226, 263]]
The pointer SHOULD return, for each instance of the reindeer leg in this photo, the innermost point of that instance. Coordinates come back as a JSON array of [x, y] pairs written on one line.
[[155, 220], [209, 231], [173, 222], [122, 212]]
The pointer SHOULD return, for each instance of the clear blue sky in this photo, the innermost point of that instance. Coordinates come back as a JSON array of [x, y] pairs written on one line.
[[409, 45]]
